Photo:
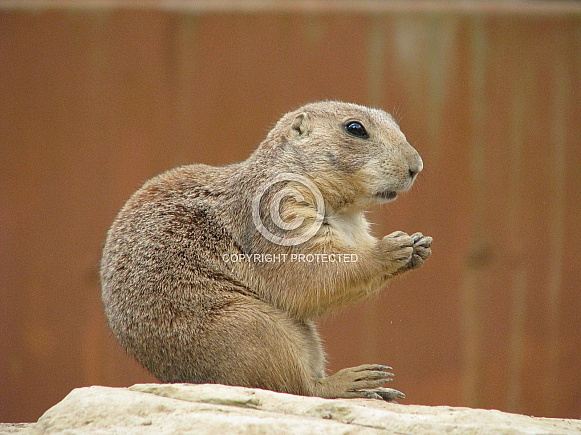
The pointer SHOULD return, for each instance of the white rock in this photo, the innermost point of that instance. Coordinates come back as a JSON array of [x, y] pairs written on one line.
[[211, 409]]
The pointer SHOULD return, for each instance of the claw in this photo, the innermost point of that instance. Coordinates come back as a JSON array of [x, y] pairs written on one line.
[[416, 237], [388, 394], [376, 367], [372, 395], [376, 375], [426, 242]]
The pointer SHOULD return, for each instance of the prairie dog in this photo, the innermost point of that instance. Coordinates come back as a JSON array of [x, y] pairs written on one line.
[[215, 274]]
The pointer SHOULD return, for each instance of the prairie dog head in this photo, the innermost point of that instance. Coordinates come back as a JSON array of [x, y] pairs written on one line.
[[357, 156]]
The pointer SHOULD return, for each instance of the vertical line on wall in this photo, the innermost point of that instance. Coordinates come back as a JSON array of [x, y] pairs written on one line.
[[442, 32], [185, 59], [521, 82], [375, 62], [562, 89], [471, 301], [94, 354]]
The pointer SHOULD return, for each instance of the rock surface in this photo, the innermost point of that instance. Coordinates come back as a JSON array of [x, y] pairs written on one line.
[[210, 409]]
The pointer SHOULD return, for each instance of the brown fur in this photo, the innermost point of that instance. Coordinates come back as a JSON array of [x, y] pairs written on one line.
[[188, 315]]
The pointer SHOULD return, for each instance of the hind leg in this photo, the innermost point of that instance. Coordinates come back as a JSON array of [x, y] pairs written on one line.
[[278, 353], [364, 381], [249, 343]]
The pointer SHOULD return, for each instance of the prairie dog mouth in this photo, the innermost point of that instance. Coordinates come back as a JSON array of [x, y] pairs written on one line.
[[387, 195]]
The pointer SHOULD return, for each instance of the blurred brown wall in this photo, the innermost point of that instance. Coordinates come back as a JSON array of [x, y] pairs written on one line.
[[94, 102]]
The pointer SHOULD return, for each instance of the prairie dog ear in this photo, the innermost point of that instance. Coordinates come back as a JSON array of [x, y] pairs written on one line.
[[301, 125]]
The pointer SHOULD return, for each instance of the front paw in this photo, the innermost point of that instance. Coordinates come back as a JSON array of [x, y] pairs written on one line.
[[401, 252], [421, 252], [397, 249]]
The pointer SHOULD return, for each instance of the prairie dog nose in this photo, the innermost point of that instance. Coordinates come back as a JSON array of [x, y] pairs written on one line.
[[415, 163]]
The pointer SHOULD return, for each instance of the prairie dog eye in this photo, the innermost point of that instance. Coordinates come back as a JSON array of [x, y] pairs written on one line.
[[355, 128]]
